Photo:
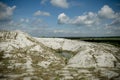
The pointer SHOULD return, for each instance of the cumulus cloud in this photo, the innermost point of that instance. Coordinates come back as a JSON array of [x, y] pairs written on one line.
[[87, 19], [106, 12], [57, 3], [90, 18], [41, 13], [60, 3], [63, 19], [6, 12]]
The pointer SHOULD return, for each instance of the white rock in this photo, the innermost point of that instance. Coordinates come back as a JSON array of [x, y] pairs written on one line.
[[55, 43], [68, 77], [17, 45], [27, 78], [109, 74], [7, 55], [37, 48], [70, 45], [105, 60], [44, 64], [82, 59]]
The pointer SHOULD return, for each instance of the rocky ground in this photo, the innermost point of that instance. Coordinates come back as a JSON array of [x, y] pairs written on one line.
[[23, 57]]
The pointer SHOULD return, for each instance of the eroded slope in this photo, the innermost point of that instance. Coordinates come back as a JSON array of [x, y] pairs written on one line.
[[25, 58]]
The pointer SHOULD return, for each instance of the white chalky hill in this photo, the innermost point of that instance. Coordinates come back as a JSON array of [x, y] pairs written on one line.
[[23, 57]]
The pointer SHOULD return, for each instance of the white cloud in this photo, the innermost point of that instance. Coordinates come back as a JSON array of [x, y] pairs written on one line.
[[43, 1], [114, 26], [63, 19], [57, 3], [27, 20], [36, 22], [60, 3], [24, 20], [59, 31], [41, 13], [74, 3], [106, 12], [87, 19], [24, 24], [6, 12], [90, 18], [65, 31], [115, 23]]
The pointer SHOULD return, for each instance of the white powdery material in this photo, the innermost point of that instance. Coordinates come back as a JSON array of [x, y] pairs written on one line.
[[20, 55], [44, 64], [28, 65], [27, 78], [37, 48], [105, 60], [5, 46], [17, 64], [86, 54], [70, 45], [82, 59], [90, 58], [54, 43], [52, 57], [109, 74], [7, 55], [64, 44], [22, 40]]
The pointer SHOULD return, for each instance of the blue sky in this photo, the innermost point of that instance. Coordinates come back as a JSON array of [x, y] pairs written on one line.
[[59, 18]]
